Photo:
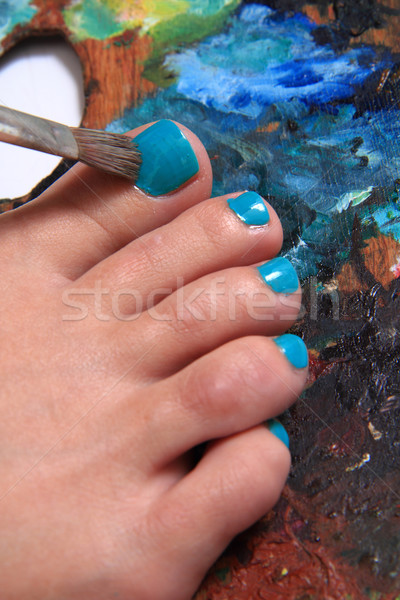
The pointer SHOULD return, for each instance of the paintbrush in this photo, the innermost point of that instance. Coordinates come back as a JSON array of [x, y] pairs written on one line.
[[111, 152]]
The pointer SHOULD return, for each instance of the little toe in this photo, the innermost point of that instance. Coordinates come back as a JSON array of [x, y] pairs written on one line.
[[87, 215], [237, 481]]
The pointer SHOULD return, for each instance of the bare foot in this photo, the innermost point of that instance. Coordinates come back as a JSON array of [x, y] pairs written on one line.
[[135, 328]]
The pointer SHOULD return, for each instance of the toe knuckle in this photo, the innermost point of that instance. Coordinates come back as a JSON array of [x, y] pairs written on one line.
[[214, 226], [207, 394], [192, 311]]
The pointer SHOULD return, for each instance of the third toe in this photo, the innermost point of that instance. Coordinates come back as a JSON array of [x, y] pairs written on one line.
[[213, 310]]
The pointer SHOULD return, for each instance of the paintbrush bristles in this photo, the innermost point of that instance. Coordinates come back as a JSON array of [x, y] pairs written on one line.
[[111, 152]]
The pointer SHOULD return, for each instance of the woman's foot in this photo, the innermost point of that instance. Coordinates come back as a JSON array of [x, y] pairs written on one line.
[[135, 328]]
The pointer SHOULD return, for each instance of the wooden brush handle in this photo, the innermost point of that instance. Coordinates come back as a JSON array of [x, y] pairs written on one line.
[[21, 129]]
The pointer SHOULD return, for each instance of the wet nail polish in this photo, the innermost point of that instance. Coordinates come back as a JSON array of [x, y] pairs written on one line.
[[294, 349], [279, 274], [278, 430], [168, 160], [250, 208]]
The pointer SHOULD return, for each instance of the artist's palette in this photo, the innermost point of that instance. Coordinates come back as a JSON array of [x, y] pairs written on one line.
[[302, 107]]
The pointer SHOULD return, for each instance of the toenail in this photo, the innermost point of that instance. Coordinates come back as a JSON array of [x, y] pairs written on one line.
[[168, 160], [294, 349], [250, 208], [278, 430], [280, 275]]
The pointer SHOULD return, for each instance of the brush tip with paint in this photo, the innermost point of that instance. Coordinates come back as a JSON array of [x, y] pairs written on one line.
[[111, 152]]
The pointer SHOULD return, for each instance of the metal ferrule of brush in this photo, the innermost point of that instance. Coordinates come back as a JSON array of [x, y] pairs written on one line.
[[25, 130]]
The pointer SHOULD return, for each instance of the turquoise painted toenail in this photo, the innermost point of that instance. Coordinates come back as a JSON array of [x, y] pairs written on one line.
[[294, 349], [278, 429], [168, 160], [250, 208], [280, 275]]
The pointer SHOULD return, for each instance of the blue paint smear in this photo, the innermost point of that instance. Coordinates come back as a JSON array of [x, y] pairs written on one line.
[[258, 96], [14, 12], [263, 59]]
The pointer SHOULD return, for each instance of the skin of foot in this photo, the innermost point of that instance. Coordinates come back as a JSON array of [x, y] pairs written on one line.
[[138, 323]]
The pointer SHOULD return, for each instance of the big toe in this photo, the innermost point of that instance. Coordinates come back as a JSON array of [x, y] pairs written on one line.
[[87, 215]]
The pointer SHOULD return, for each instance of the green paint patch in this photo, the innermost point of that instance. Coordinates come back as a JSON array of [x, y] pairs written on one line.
[[92, 19], [188, 27], [14, 12], [199, 7]]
